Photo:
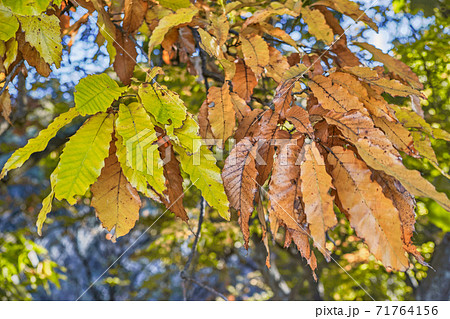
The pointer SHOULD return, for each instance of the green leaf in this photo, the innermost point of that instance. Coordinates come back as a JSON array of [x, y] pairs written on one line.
[[134, 125], [175, 4], [136, 178], [183, 15], [43, 33], [10, 25], [165, 105], [47, 203], [39, 143], [83, 157], [27, 7], [187, 136], [95, 93], [204, 173]]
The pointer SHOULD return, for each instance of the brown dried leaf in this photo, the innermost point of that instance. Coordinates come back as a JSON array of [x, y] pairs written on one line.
[[239, 179], [5, 106], [240, 106], [244, 81], [277, 66], [32, 56], [370, 212], [126, 55], [300, 119], [134, 15]]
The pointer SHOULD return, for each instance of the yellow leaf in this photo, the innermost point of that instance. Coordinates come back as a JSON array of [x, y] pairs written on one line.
[[256, 53], [182, 15], [349, 8], [43, 33], [278, 65], [221, 113], [315, 188], [317, 25], [371, 214]]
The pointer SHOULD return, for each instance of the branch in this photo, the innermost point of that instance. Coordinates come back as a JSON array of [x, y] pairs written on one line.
[[10, 76]]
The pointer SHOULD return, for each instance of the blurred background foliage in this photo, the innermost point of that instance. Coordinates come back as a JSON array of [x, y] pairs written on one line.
[[73, 252]]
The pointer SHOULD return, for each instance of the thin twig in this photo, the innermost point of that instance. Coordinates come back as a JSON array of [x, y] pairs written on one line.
[[210, 289], [10, 75]]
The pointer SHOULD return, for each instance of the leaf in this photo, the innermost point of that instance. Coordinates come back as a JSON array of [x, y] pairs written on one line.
[[165, 105], [333, 96], [30, 54], [278, 33], [83, 157], [174, 182], [137, 179], [9, 24], [38, 143], [115, 200], [134, 13], [256, 53], [205, 175], [221, 113], [411, 119], [203, 122], [43, 33], [240, 107], [277, 66], [47, 203], [296, 72], [11, 52], [125, 59], [244, 81], [283, 98], [95, 93], [300, 119], [396, 66], [371, 214], [239, 179], [263, 14], [317, 25], [247, 126], [220, 28], [211, 46], [378, 153], [349, 8], [405, 204], [187, 135], [398, 135], [106, 28], [315, 189], [284, 189], [135, 126], [27, 7], [175, 4], [182, 15], [5, 106], [301, 240]]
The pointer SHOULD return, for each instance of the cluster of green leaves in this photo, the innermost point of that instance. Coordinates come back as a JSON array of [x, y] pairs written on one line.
[[24, 267]]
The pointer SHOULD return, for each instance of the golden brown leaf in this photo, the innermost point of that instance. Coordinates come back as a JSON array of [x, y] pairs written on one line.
[[221, 112], [244, 81], [315, 188], [134, 15], [333, 96], [174, 182], [283, 98], [116, 202], [248, 124], [240, 107], [370, 212], [256, 53], [203, 122], [301, 240], [300, 119], [277, 66], [239, 179], [5, 105], [126, 55]]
